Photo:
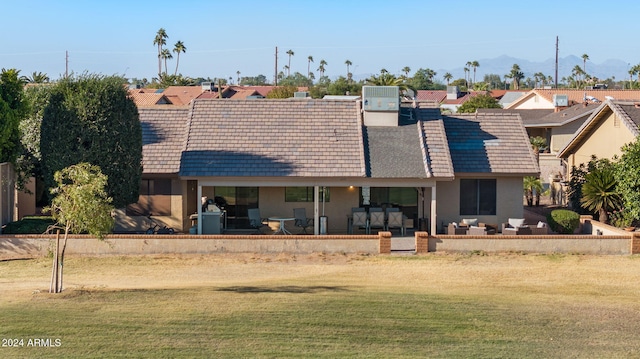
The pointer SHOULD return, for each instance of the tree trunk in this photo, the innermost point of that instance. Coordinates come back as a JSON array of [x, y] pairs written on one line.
[[53, 287]]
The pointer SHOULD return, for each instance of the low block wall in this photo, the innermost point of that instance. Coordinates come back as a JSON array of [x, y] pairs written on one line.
[[583, 244], [33, 246]]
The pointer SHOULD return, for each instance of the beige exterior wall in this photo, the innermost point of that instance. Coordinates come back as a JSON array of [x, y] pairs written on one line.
[[27, 201], [604, 141], [560, 136], [177, 220], [509, 202], [534, 102]]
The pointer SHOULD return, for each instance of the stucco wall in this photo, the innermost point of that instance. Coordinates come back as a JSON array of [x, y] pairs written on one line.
[[605, 141]]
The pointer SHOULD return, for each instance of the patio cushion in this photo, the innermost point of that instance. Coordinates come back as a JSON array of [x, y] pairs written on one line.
[[516, 222], [541, 224], [470, 221]]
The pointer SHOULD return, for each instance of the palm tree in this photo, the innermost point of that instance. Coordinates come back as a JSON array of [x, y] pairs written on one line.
[[585, 57], [577, 72], [309, 61], [532, 185], [348, 63], [36, 78], [160, 40], [384, 71], [406, 70], [238, 73], [466, 72], [448, 78], [165, 55], [538, 144], [287, 69], [178, 48], [599, 193], [387, 79], [322, 67], [516, 76], [290, 53], [474, 65]]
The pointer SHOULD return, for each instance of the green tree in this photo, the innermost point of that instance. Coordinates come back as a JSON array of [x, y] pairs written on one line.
[[423, 79], [626, 173], [585, 57], [343, 86], [13, 109], [538, 144], [282, 92], [178, 48], [447, 77], [578, 179], [406, 71], [478, 101], [493, 80], [91, 119], [80, 205], [160, 40], [296, 80], [599, 193]]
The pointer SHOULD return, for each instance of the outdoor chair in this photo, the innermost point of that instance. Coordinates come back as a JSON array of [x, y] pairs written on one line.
[[395, 220], [301, 219], [376, 220], [255, 221], [515, 226], [456, 229], [359, 220], [480, 230]]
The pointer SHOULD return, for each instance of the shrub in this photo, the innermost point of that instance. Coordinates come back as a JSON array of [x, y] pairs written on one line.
[[563, 221], [28, 225]]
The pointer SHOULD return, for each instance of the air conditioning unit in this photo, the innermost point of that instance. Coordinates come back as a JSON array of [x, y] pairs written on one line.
[[560, 100], [207, 86], [381, 98], [300, 94], [452, 92]]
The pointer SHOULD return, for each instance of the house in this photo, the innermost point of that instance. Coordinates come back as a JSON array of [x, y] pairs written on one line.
[[611, 125], [555, 99], [328, 156]]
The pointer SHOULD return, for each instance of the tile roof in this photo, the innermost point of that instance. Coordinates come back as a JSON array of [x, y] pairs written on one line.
[[282, 138], [529, 117], [576, 96], [431, 95], [143, 99], [489, 143], [163, 135], [569, 114], [435, 148], [182, 95]]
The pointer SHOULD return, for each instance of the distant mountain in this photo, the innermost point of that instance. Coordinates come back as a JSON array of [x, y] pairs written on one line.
[[502, 65]]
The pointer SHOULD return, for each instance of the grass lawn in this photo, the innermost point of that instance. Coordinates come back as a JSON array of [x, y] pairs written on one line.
[[332, 306]]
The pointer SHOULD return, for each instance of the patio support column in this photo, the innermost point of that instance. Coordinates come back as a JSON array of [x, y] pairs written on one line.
[[434, 221], [316, 205], [199, 199]]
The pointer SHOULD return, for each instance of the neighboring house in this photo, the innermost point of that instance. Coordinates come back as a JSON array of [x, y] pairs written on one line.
[[610, 126], [277, 155], [143, 99], [544, 98], [452, 98]]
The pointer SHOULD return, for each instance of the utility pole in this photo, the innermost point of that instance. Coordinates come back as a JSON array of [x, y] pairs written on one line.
[[276, 69], [556, 81]]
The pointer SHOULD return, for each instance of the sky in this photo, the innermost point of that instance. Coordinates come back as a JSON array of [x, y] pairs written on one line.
[[223, 37]]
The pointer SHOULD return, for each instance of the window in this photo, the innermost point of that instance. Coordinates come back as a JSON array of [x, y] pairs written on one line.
[[477, 197], [154, 199], [303, 194]]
